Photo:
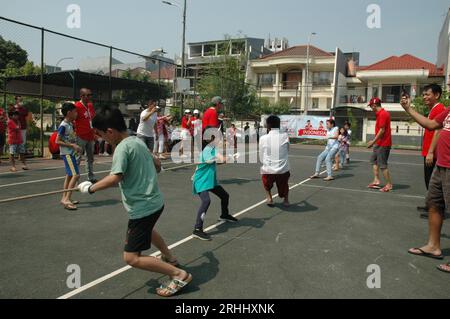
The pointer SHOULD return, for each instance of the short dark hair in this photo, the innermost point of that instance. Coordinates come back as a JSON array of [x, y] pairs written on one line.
[[109, 119], [67, 107], [435, 88], [273, 121], [332, 122]]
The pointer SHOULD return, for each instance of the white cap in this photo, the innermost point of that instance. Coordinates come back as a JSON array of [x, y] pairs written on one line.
[[187, 111], [196, 112]]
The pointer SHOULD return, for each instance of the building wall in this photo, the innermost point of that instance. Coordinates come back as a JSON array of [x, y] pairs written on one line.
[[444, 47]]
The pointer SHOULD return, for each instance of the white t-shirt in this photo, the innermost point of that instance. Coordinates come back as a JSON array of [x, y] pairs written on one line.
[[330, 134], [274, 153], [147, 128]]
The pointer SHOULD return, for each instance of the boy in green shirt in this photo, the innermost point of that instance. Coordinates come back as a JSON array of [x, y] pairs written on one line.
[[134, 169]]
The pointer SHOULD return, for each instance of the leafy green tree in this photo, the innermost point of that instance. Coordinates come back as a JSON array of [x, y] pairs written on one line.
[[11, 55]]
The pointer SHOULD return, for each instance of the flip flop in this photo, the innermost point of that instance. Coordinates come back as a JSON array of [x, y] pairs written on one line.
[[374, 186], [425, 254], [25, 168], [441, 268], [70, 207], [75, 202], [386, 189]]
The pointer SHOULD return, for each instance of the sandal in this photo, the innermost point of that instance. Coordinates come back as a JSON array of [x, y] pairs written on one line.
[[70, 207], [314, 176], [444, 268], [174, 263], [173, 287], [25, 168], [374, 186], [75, 202], [328, 179], [425, 254], [386, 189]]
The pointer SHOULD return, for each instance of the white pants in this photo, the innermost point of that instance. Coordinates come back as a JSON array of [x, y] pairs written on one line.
[[160, 141]]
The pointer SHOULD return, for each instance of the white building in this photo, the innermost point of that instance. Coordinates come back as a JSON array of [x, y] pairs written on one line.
[[444, 49]]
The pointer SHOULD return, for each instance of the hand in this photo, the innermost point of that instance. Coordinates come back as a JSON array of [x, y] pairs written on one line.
[[430, 160], [84, 187], [370, 144], [405, 102]]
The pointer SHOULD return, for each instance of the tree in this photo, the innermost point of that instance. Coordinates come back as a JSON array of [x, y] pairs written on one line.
[[420, 107], [11, 55]]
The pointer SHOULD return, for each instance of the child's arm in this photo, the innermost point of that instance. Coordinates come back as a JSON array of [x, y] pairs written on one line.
[[107, 182], [61, 142]]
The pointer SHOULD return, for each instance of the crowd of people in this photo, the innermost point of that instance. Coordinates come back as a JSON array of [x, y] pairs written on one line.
[[138, 180]]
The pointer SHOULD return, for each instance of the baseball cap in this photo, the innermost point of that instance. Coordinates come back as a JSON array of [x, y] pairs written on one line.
[[187, 111], [216, 99], [374, 100], [196, 112]]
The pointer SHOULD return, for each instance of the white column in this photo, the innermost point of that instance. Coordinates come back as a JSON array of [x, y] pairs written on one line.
[[303, 90], [277, 85]]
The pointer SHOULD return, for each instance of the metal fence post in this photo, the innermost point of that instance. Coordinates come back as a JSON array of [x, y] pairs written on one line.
[[42, 92]]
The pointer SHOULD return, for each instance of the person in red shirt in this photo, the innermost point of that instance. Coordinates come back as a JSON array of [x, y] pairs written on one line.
[[84, 130], [186, 123], [431, 95], [2, 132], [381, 146], [23, 118], [15, 140], [211, 115], [438, 198]]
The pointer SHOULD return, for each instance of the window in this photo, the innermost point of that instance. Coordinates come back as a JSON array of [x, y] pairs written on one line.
[[238, 47], [266, 80], [322, 78], [329, 102], [392, 94], [315, 103], [375, 92], [210, 49]]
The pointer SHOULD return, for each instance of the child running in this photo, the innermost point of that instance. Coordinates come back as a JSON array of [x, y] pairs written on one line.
[[205, 181], [274, 154], [67, 141], [134, 169]]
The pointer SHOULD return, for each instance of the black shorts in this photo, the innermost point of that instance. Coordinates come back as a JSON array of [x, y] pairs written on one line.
[[139, 233], [2, 140], [439, 189], [380, 156]]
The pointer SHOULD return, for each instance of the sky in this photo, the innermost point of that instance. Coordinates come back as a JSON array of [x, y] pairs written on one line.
[[407, 26]]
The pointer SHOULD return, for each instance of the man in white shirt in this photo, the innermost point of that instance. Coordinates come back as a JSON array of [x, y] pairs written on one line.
[[147, 125], [274, 155]]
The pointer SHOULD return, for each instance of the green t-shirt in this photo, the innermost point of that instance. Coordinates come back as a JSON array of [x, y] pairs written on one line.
[[139, 186], [205, 177]]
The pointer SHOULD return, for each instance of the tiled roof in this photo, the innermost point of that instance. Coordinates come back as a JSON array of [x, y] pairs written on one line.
[[300, 50], [404, 62]]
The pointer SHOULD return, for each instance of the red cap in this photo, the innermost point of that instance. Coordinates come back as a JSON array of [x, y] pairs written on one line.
[[374, 100]]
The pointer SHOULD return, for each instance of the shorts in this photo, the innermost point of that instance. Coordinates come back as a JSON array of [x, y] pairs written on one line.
[[139, 233], [149, 141], [16, 149], [282, 181], [380, 156], [439, 189], [2, 141], [71, 165]]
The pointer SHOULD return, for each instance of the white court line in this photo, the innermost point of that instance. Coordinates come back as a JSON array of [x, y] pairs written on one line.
[[48, 168], [157, 254], [364, 191], [360, 160]]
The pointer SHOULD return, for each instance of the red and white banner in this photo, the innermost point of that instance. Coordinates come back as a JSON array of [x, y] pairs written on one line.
[[299, 126]]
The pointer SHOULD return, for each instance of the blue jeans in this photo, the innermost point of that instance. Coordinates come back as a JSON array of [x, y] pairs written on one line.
[[327, 155], [342, 156]]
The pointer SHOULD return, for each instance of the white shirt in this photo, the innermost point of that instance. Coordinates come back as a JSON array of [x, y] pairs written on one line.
[[147, 128], [330, 134], [274, 152]]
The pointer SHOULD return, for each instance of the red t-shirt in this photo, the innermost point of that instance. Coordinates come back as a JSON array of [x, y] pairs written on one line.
[[384, 121], [210, 118], [83, 123], [428, 136], [2, 121], [14, 134], [184, 123], [23, 114], [443, 146]]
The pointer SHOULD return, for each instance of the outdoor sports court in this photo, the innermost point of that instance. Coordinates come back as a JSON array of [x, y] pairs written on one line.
[[318, 248]]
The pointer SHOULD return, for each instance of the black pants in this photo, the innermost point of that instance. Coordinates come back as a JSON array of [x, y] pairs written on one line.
[[206, 201], [428, 170]]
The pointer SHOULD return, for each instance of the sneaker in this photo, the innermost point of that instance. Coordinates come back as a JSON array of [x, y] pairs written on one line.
[[228, 218], [200, 234]]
